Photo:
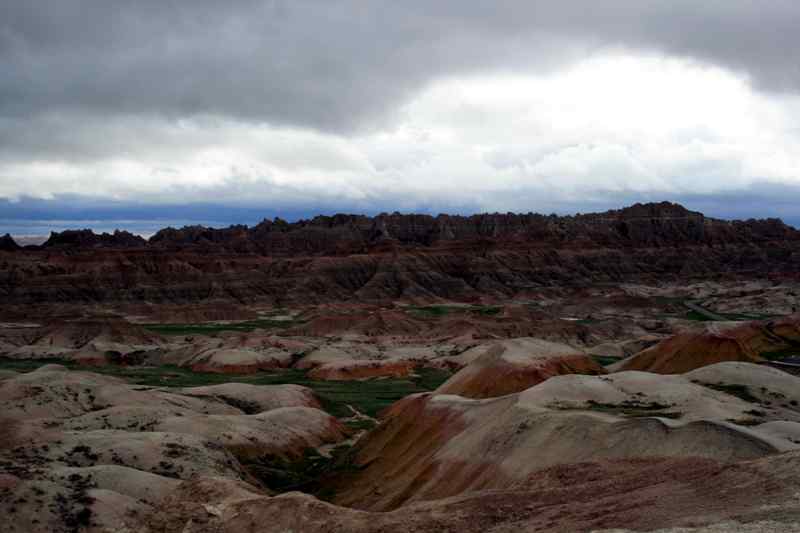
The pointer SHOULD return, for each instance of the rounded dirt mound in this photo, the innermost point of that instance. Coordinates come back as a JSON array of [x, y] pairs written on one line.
[[353, 369], [514, 365], [714, 343]]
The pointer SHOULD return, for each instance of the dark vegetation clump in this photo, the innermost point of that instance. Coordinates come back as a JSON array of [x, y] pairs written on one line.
[[211, 328], [303, 474], [634, 408], [740, 391], [436, 311]]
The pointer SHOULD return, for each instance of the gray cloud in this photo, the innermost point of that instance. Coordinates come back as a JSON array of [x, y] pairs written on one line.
[[338, 65], [327, 105]]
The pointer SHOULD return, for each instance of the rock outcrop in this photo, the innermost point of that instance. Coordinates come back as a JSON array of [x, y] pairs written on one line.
[[657, 224], [396, 257], [8, 244], [86, 238]]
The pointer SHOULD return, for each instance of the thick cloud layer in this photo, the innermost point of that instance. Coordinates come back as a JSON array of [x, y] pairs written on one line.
[[339, 64], [451, 105]]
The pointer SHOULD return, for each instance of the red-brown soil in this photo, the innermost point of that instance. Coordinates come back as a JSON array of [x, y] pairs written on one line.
[[352, 369], [514, 365], [716, 343], [638, 495]]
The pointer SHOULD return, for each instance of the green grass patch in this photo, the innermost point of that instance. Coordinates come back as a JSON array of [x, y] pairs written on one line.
[[211, 328], [487, 310], [697, 317], [669, 300], [745, 421], [361, 424], [780, 354], [605, 360], [436, 311], [747, 316], [431, 310], [740, 391]]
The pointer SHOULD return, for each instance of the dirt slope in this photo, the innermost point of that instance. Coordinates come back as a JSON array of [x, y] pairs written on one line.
[[756, 496]]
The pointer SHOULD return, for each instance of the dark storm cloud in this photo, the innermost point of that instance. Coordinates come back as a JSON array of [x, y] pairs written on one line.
[[339, 64]]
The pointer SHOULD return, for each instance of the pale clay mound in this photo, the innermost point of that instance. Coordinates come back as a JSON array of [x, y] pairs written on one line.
[[239, 361], [254, 399], [445, 354], [64, 339], [52, 392], [338, 351], [81, 448], [668, 394], [657, 448], [513, 365], [443, 445], [120, 498], [763, 382], [284, 432]]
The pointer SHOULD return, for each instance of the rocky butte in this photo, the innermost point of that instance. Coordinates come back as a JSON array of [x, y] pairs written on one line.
[[394, 257]]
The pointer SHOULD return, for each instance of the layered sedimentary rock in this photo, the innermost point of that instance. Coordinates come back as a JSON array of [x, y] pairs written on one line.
[[395, 257], [660, 224], [86, 238]]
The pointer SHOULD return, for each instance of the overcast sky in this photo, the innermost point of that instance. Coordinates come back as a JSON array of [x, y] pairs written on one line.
[[135, 114]]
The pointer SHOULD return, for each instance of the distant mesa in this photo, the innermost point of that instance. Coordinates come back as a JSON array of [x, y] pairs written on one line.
[[396, 257], [651, 224], [86, 238]]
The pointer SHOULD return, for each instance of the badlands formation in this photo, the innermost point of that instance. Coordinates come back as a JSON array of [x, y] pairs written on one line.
[[633, 370]]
